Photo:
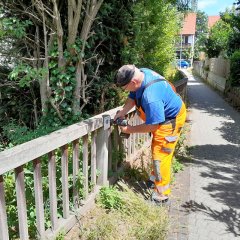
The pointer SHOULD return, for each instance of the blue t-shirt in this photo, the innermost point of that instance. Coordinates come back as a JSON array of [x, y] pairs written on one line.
[[159, 101]]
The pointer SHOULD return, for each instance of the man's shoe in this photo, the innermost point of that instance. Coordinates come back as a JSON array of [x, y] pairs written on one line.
[[159, 200]]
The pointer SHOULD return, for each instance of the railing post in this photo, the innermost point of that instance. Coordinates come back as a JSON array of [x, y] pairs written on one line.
[[65, 188], [102, 151], [52, 189], [21, 202], [3, 216], [116, 147], [75, 172], [85, 165], [93, 159], [39, 197]]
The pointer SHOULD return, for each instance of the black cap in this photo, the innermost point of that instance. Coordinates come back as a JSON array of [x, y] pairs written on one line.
[[124, 75]]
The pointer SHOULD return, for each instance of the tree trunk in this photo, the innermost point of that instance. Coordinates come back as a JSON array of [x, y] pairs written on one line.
[[42, 82], [81, 79], [76, 94]]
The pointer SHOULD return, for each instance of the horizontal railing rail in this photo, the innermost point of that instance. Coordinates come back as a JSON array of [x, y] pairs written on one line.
[[68, 168]]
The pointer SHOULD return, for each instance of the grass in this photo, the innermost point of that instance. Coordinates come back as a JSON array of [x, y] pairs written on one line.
[[128, 217]]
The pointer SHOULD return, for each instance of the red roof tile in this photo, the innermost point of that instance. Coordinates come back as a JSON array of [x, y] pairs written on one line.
[[189, 25], [212, 20]]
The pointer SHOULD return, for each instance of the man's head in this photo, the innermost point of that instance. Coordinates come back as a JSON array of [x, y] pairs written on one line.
[[124, 75]]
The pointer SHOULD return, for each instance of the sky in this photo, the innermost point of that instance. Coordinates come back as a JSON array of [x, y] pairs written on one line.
[[213, 7]]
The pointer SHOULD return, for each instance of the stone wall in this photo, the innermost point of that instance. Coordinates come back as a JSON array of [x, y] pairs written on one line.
[[215, 71]]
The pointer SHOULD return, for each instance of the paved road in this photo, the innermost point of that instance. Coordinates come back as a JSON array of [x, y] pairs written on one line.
[[214, 201]]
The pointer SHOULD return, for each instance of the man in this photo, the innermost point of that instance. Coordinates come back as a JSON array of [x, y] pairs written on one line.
[[163, 113]]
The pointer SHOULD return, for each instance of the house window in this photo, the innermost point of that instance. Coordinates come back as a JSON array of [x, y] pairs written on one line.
[[185, 39]]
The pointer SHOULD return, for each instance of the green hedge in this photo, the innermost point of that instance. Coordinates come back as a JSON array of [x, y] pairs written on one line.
[[235, 69]]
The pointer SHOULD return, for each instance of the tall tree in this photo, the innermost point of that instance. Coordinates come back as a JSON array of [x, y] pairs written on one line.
[[232, 18], [217, 41], [151, 41], [56, 43], [201, 33]]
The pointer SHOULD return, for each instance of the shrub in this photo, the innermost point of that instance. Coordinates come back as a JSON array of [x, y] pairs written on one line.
[[172, 74], [234, 69], [109, 198], [218, 39]]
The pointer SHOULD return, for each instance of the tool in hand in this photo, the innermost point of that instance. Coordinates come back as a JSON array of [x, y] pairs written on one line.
[[121, 122]]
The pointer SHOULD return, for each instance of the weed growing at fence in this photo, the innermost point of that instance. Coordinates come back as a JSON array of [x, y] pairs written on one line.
[[60, 235], [177, 166], [109, 198], [180, 151], [128, 216]]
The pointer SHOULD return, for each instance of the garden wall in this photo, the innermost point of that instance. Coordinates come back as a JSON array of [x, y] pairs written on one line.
[[215, 71]]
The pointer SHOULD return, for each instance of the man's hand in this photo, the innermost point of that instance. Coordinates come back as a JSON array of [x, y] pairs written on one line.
[[119, 114], [130, 103], [126, 129]]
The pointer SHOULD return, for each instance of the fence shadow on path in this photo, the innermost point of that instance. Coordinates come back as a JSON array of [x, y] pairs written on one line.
[[221, 163], [218, 164], [229, 217]]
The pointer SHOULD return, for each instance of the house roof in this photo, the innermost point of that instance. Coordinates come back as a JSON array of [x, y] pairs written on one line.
[[212, 20], [189, 25]]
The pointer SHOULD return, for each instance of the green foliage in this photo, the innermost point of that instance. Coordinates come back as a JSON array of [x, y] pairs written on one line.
[[186, 5], [17, 106], [114, 19], [154, 28], [61, 235], [201, 23], [26, 74], [177, 166], [14, 27], [233, 19], [218, 39], [201, 33], [109, 198], [172, 74], [235, 69], [18, 134]]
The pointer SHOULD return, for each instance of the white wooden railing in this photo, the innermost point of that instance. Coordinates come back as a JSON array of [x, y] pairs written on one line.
[[92, 144], [102, 141]]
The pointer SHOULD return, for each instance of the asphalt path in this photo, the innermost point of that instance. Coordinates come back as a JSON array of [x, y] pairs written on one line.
[[213, 206]]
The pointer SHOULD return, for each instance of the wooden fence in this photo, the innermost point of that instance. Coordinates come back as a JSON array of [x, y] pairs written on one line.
[[93, 143], [98, 157]]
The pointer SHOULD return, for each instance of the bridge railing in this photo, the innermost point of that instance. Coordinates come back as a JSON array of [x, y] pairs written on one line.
[[78, 158], [92, 147]]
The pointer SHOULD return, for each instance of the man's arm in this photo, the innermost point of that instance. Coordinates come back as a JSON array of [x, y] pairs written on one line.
[[142, 128], [129, 104]]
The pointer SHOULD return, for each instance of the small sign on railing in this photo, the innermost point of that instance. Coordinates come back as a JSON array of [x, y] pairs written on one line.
[[106, 121]]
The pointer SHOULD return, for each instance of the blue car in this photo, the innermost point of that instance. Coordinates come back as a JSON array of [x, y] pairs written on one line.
[[183, 64]]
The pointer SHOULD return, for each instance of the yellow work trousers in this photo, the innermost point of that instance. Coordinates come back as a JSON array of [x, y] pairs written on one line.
[[164, 142]]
